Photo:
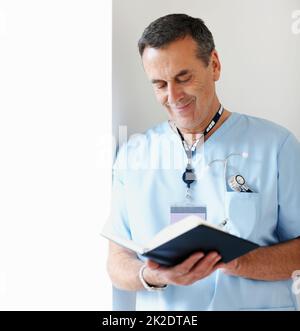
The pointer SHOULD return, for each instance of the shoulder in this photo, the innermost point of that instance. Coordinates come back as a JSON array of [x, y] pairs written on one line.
[[140, 146], [151, 136], [265, 130]]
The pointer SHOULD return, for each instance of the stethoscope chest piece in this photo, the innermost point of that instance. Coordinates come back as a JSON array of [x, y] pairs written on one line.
[[238, 184]]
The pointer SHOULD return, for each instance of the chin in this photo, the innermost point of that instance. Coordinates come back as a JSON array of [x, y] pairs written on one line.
[[186, 123]]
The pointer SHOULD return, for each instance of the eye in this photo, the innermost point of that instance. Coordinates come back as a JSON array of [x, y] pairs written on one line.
[[160, 85], [184, 79]]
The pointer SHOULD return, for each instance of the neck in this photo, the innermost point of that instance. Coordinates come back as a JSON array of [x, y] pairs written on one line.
[[200, 127], [190, 135]]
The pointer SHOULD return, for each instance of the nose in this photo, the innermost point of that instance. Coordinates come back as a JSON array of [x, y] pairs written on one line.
[[175, 94]]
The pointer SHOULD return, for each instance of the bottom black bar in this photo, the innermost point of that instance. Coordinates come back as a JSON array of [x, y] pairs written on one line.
[[93, 320]]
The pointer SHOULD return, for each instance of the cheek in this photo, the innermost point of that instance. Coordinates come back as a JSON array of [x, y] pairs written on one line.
[[204, 93], [195, 90], [160, 97]]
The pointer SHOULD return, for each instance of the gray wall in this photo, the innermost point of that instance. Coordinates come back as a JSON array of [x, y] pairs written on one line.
[[260, 58], [259, 47]]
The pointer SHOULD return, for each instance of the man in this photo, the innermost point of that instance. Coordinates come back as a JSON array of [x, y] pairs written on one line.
[[180, 60]]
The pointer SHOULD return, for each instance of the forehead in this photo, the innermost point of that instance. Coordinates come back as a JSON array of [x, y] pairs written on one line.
[[168, 61]]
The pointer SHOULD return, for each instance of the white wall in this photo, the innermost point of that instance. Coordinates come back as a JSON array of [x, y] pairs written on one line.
[[259, 52], [55, 176]]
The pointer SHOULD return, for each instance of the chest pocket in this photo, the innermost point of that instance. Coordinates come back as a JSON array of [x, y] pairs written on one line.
[[242, 212]]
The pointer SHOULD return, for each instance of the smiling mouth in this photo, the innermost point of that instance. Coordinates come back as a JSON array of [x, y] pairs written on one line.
[[185, 107]]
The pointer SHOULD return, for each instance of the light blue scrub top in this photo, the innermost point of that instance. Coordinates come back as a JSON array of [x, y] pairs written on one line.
[[147, 181]]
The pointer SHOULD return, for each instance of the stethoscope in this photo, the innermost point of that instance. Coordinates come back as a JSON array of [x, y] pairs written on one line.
[[237, 182]]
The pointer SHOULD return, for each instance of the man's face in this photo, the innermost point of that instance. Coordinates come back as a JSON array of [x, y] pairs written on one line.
[[183, 84]]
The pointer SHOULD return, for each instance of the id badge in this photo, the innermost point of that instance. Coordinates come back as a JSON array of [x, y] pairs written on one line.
[[177, 212]]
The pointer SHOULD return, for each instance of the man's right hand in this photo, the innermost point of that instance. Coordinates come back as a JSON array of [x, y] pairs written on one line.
[[194, 268]]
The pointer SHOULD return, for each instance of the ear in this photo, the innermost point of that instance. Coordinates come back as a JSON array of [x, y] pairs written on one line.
[[216, 65]]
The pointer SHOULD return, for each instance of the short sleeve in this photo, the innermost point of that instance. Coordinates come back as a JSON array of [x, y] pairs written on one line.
[[118, 223], [289, 189]]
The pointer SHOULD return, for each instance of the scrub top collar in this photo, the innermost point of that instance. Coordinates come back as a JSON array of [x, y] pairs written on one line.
[[225, 127]]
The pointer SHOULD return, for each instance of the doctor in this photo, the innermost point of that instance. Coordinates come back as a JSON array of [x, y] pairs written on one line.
[[180, 60]]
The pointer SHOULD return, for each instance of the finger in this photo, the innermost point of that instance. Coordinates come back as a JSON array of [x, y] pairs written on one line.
[[221, 265], [152, 265], [189, 263], [218, 266], [205, 266]]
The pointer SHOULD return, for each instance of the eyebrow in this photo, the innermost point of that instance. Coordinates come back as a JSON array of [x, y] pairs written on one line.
[[181, 73]]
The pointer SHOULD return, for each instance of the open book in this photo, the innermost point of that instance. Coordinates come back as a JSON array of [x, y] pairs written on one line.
[[176, 242]]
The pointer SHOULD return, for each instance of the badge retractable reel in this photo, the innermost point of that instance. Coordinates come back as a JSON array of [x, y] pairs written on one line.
[[189, 176]]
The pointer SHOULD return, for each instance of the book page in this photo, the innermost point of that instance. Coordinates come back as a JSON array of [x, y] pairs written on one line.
[[125, 243], [174, 230]]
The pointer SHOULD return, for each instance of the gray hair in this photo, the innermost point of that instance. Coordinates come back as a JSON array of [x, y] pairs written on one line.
[[169, 28]]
